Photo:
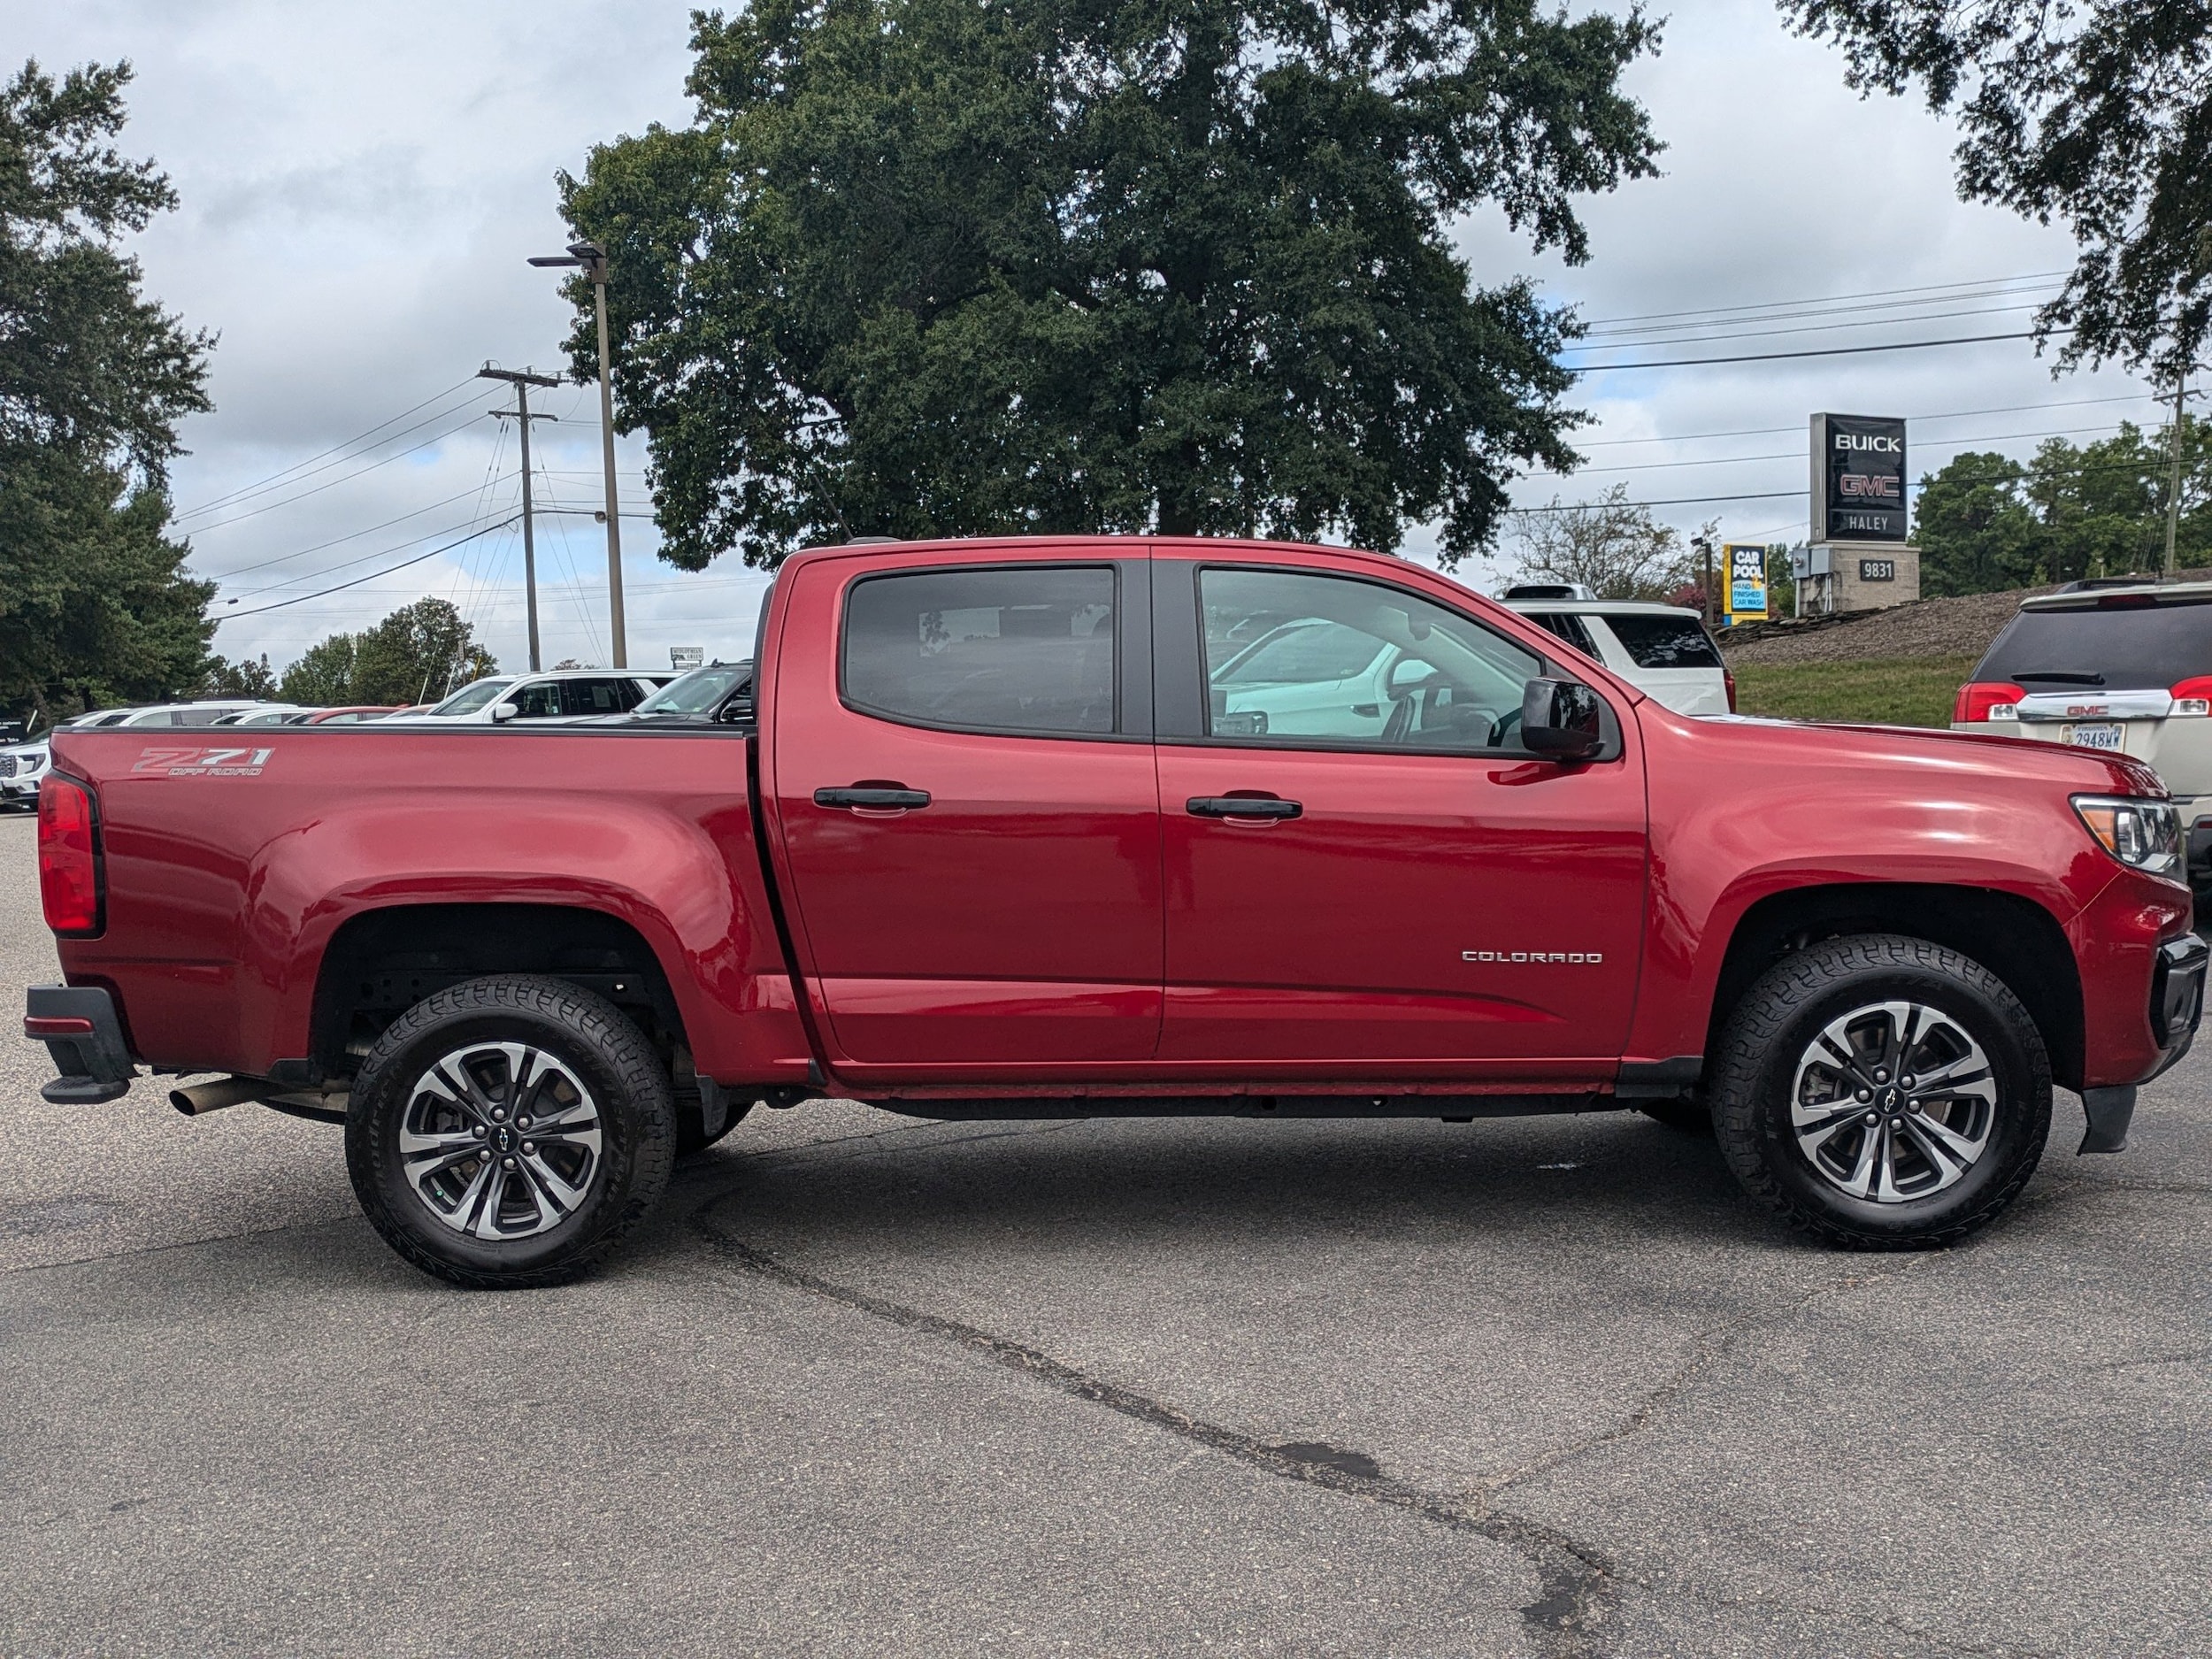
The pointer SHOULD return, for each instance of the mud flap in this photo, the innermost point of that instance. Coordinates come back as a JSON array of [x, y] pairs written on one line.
[[2110, 1111]]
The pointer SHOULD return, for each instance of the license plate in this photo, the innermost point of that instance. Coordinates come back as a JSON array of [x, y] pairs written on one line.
[[2095, 736]]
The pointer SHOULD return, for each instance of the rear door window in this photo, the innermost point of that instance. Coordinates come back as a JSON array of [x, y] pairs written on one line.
[[1570, 627], [1665, 642], [1016, 651], [2117, 645], [598, 697]]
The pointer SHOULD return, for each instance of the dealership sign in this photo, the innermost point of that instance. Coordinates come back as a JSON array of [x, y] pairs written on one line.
[[1746, 567], [1858, 478]]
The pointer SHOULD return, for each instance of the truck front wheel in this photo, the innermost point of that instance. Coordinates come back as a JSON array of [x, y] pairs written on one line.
[[509, 1132], [1882, 1093]]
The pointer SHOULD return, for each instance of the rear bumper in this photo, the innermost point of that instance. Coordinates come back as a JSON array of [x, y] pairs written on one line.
[[79, 1027]]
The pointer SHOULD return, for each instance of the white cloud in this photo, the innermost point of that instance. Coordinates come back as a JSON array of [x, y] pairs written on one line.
[[361, 186]]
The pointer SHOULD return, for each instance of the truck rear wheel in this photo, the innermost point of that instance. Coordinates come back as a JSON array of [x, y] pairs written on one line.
[[1882, 1093], [509, 1132]]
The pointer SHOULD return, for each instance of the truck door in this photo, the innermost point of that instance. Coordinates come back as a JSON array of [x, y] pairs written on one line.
[[962, 781], [1423, 895]]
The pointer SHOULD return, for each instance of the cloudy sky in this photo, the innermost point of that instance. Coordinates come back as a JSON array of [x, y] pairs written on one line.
[[362, 184]]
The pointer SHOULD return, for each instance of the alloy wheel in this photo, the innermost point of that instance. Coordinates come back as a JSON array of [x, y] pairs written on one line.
[[1893, 1102], [499, 1141]]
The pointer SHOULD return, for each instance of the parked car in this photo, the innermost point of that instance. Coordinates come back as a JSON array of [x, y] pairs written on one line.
[[561, 693], [351, 714], [212, 711], [268, 714], [718, 691], [1663, 649], [2124, 668], [23, 764], [993, 847]]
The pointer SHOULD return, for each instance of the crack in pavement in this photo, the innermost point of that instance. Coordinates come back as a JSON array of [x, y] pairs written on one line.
[[1577, 1579], [1708, 1347]]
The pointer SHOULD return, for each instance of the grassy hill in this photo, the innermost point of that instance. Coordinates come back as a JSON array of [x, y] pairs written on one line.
[[1886, 691]]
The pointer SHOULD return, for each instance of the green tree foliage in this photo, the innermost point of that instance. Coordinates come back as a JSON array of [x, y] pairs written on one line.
[[94, 606], [417, 652], [1986, 522], [935, 267], [245, 677], [1611, 546], [2097, 112]]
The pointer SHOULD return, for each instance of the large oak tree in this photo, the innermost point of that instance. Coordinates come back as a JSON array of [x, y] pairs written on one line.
[[93, 377], [960, 267], [2095, 112]]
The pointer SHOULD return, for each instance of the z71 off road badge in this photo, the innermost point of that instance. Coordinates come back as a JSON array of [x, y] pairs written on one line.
[[200, 762]]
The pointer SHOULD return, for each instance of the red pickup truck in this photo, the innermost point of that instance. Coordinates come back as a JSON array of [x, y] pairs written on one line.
[[1061, 827]]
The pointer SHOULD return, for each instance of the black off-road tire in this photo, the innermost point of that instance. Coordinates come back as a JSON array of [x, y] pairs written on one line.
[[595, 1041], [1753, 1073]]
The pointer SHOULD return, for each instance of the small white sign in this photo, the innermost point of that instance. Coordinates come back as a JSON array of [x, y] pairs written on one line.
[[687, 655]]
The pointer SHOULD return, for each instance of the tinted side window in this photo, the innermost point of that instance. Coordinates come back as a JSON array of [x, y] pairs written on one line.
[[1665, 642], [1421, 676], [597, 696], [993, 650], [539, 701], [1569, 627]]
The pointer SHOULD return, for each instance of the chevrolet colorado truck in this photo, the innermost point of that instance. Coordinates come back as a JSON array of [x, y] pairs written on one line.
[[1027, 829]]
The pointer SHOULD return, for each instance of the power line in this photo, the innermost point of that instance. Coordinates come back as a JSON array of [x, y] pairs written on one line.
[[1822, 351], [281, 558], [244, 490], [435, 437], [303, 598], [1903, 310], [1955, 414], [1670, 338], [1870, 294]]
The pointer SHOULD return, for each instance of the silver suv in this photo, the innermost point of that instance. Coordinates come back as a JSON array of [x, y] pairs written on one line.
[[2121, 667]]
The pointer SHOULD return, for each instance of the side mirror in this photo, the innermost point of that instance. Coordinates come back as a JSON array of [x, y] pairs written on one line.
[[1561, 719], [503, 712]]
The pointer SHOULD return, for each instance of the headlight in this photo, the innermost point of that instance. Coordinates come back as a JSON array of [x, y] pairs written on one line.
[[32, 762], [2142, 835]]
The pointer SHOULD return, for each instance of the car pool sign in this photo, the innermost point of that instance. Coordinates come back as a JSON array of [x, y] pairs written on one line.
[[1858, 478], [1747, 581]]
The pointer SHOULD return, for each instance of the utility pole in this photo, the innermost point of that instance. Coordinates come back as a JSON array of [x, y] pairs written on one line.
[[2173, 479], [591, 258], [1704, 547], [522, 380]]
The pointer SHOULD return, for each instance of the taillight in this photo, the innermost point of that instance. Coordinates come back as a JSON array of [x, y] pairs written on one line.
[[1983, 702], [1728, 675], [68, 857], [2194, 695]]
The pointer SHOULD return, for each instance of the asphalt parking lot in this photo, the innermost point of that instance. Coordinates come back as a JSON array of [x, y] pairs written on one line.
[[876, 1385]]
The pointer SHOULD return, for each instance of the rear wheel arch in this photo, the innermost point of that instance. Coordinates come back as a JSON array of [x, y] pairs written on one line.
[[382, 962], [2014, 937]]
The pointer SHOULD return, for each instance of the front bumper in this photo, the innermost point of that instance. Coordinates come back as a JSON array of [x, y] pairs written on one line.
[[79, 1027]]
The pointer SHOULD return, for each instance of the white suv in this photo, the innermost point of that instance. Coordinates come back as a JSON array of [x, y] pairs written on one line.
[[1663, 651], [2124, 667], [565, 694]]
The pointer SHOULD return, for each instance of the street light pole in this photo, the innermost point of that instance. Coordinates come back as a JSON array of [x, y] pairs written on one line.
[[591, 258], [522, 380]]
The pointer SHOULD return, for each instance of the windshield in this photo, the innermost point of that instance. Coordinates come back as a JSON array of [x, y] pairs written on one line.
[[2118, 646], [469, 699], [697, 692]]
